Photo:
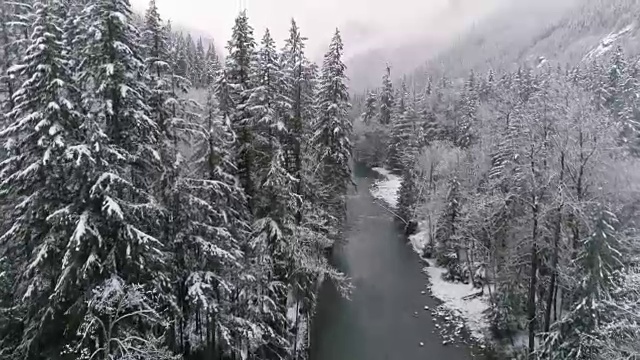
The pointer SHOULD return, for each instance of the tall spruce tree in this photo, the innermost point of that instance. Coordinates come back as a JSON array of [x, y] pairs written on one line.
[[199, 74], [42, 180], [9, 53], [115, 255], [333, 129], [404, 126], [387, 98], [370, 109], [295, 84], [211, 65], [240, 66], [596, 274], [190, 57]]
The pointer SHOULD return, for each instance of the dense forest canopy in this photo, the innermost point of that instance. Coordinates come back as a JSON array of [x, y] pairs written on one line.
[[141, 224]]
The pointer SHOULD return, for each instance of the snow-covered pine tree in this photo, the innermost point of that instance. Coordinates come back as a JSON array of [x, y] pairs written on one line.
[[21, 18], [466, 114], [370, 108], [268, 105], [173, 114], [408, 195], [190, 57], [158, 70], [181, 60], [274, 202], [404, 126], [371, 148], [333, 128], [428, 129], [9, 54], [220, 270], [239, 68], [619, 91], [447, 225], [296, 91], [223, 91], [615, 82], [211, 65], [596, 274], [114, 254], [199, 73], [41, 181], [387, 98], [13, 32]]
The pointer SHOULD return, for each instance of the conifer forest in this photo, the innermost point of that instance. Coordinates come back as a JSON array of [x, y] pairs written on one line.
[[163, 197]]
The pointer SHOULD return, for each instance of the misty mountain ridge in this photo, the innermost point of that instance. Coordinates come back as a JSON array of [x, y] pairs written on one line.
[[565, 32]]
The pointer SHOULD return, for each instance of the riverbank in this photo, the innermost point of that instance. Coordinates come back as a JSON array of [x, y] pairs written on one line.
[[453, 295]]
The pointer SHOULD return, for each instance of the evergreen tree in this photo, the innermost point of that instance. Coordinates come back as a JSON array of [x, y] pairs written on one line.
[[211, 66], [298, 90], [175, 120], [115, 256], [41, 180], [465, 119], [221, 288], [333, 129], [370, 111], [181, 59], [408, 196], [158, 70], [239, 77], [268, 105], [448, 224], [387, 99], [190, 58], [274, 202], [9, 53], [199, 73], [403, 137], [597, 274]]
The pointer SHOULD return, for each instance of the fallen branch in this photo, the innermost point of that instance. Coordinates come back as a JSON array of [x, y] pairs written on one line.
[[391, 211], [473, 296]]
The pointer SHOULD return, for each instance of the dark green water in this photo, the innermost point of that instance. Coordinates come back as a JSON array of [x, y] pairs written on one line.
[[378, 323]]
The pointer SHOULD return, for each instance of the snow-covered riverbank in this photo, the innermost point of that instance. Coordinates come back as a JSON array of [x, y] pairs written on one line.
[[451, 294]]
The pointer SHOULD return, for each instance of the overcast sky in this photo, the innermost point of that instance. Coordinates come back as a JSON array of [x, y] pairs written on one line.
[[364, 21]]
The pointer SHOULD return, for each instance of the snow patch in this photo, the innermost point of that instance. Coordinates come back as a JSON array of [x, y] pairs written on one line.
[[387, 189], [453, 294], [541, 61], [606, 43], [420, 239]]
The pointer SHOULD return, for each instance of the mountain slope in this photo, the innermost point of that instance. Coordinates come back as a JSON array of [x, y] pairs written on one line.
[[527, 31]]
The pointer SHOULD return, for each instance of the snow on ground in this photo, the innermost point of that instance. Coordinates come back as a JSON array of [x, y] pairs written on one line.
[[420, 239], [388, 188], [606, 43], [452, 294]]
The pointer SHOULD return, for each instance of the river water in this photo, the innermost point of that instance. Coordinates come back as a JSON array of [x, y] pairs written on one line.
[[378, 322]]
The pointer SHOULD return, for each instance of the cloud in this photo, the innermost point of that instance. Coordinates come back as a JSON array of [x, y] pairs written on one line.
[[366, 23]]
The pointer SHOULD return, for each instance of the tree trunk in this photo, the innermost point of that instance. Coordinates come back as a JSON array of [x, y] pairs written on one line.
[[554, 261], [534, 278], [554, 274]]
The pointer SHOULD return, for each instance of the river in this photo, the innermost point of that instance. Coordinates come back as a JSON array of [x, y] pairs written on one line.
[[379, 321]]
